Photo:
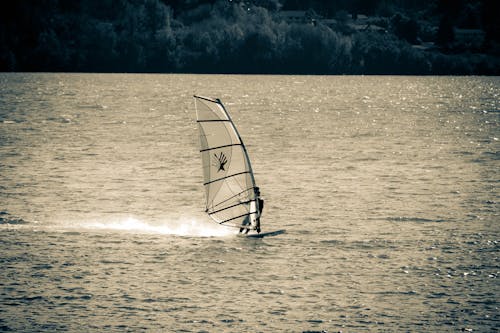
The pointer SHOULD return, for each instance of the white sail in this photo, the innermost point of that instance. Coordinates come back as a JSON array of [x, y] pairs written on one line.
[[229, 183]]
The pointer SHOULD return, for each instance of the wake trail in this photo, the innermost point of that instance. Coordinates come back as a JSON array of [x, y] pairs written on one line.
[[189, 227], [177, 226]]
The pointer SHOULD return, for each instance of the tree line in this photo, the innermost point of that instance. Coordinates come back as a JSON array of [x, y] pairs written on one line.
[[224, 36]]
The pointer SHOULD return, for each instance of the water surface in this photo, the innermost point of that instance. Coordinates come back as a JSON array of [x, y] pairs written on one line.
[[388, 188]]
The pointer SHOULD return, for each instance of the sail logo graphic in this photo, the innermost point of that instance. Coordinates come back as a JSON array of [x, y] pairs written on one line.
[[220, 161]]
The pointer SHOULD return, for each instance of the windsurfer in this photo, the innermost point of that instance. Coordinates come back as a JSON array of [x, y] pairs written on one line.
[[261, 207], [246, 223]]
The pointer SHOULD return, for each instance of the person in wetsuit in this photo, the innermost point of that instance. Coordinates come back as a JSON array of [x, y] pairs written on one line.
[[259, 213], [261, 207]]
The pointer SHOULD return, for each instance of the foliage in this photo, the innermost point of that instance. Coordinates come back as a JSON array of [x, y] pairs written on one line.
[[230, 36], [405, 28]]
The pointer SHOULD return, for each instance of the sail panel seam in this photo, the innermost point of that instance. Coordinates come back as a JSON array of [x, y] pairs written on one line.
[[219, 179], [224, 146], [211, 120]]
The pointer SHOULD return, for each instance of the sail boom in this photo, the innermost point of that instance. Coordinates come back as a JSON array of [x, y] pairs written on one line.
[[232, 206], [234, 196]]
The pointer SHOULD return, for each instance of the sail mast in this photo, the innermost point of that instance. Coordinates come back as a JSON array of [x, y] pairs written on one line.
[[239, 137]]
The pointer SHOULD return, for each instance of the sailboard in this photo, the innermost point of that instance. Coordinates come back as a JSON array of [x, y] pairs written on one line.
[[266, 234], [232, 197]]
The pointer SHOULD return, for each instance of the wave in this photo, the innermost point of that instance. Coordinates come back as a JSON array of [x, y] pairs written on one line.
[[6, 218], [413, 219]]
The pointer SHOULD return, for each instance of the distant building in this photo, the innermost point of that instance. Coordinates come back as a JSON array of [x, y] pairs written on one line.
[[294, 16], [364, 23], [473, 37], [300, 16], [329, 22], [425, 46], [360, 23]]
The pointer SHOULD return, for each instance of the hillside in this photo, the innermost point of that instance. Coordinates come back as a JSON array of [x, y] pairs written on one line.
[[259, 36]]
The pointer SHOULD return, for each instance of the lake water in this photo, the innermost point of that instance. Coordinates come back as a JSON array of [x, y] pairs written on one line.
[[388, 188]]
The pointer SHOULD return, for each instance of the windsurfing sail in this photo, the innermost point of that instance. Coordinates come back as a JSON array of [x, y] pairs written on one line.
[[232, 197]]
